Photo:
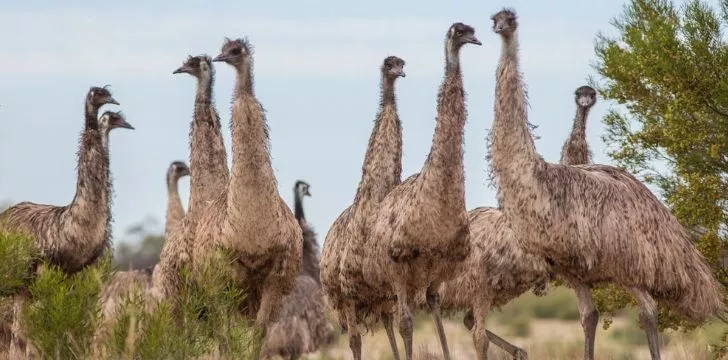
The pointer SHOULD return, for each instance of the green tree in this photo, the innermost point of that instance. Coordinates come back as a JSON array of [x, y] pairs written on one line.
[[667, 70]]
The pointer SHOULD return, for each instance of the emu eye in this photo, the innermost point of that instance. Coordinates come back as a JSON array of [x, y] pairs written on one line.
[[389, 66], [458, 33], [235, 51]]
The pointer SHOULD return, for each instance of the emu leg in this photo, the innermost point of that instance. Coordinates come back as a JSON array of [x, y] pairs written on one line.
[[515, 351], [433, 301], [480, 337], [389, 327], [354, 335], [648, 320], [589, 318], [17, 339], [405, 321]]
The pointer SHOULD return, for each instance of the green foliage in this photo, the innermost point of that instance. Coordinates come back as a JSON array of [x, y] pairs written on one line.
[[17, 256], [63, 311], [204, 319], [666, 68]]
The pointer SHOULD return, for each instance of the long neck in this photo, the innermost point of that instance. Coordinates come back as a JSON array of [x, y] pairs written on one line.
[[244, 81], [208, 156], [512, 150], [298, 206], [382, 168], [443, 171], [91, 115], [576, 149], [175, 211], [93, 186], [252, 183]]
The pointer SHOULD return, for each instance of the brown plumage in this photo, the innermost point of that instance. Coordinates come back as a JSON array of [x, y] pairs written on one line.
[[420, 231], [75, 235], [209, 175], [208, 157], [56, 230], [497, 271], [123, 281], [576, 149], [596, 223], [310, 253], [251, 220], [175, 211], [121, 284], [301, 326], [342, 258]]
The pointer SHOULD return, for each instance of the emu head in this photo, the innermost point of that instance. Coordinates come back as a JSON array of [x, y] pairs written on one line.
[[177, 169], [302, 189], [505, 22], [110, 120], [585, 96], [198, 66], [235, 52], [99, 96], [460, 34], [393, 67]]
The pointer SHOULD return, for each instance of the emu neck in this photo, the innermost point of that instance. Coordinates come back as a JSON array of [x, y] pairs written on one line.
[[244, 81], [175, 211], [93, 183], [91, 116], [576, 150], [204, 89], [253, 188], [382, 168], [443, 171], [298, 207], [208, 156], [512, 151]]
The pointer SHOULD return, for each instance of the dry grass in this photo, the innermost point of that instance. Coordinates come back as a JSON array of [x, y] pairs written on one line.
[[545, 338]]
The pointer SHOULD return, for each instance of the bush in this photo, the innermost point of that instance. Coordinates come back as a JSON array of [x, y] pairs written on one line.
[[204, 319], [17, 256], [62, 314]]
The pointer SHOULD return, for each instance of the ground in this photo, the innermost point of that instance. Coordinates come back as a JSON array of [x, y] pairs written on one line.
[[548, 328]]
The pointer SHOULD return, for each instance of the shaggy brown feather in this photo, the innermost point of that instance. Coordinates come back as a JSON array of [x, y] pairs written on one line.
[[85, 223], [302, 326], [251, 220], [420, 230], [208, 157], [209, 176], [175, 211], [381, 172], [576, 149], [497, 271], [597, 223], [310, 253]]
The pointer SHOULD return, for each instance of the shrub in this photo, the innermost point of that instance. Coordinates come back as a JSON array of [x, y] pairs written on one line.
[[17, 256], [63, 312], [204, 319]]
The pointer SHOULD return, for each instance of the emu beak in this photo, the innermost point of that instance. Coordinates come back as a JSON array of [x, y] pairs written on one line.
[[125, 125], [401, 73], [183, 69], [111, 100], [222, 57], [474, 40], [308, 193]]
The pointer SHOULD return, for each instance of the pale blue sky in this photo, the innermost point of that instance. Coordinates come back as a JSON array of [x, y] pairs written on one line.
[[316, 68]]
